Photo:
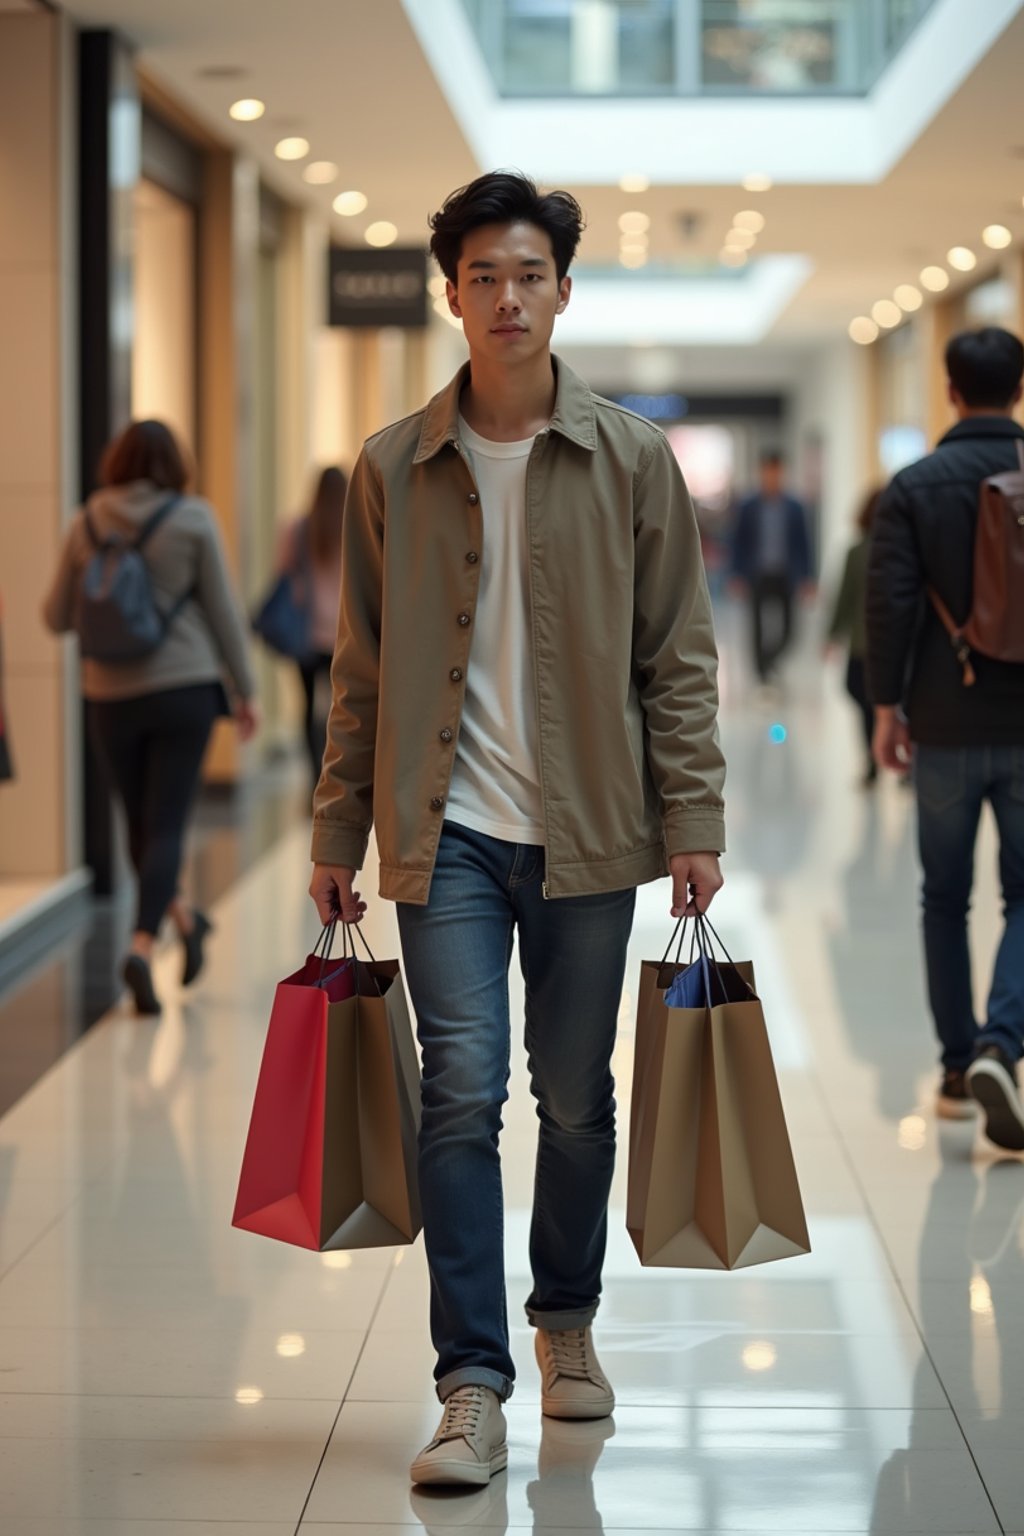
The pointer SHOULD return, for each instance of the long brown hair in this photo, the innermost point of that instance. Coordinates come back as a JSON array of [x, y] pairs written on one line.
[[325, 515], [145, 450]]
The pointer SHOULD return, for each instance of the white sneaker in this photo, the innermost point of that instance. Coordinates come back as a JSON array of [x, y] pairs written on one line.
[[573, 1385], [469, 1446]]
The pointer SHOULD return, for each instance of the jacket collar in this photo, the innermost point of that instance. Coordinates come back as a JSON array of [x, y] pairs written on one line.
[[574, 415], [983, 426]]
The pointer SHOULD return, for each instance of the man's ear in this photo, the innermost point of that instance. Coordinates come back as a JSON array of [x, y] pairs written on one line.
[[564, 293], [453, 298]]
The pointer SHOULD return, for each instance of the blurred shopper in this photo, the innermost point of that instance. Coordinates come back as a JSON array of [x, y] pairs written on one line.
[[968, 741], [531, 739], [849, 625], [771, 562], [150, 719], [310, 552]]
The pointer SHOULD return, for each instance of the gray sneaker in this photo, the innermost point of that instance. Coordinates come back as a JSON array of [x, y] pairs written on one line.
[[469, 1446], [573, 1385], [992, 1080]]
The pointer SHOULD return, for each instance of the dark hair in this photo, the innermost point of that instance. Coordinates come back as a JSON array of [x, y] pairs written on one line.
[[325, 515], [145, 450], [985, 367], [772, 458], [505, 197], [868, 507]]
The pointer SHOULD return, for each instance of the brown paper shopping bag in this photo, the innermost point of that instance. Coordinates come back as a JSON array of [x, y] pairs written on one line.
[[330, 1159], [712, 1183]]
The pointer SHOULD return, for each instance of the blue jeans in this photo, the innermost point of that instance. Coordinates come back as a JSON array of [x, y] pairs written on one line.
[[953, 784], [457, 952]]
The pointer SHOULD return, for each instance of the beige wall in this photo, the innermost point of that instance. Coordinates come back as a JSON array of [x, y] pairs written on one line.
[[164, 350], [35, 270]]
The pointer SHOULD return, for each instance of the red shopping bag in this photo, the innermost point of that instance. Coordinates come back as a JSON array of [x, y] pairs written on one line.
[[330, 1156]]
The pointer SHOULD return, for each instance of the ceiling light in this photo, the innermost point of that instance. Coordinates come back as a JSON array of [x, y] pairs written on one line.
[[935, 279], [438, 286], [997, 237], [319, 173], [863, 331], [634, 223], [290, 1346], [886, 314], [348, 204], [760, 1356], [732, 257], [634, 183], [740, 239], [749, 219], [633, 256], [247, 110], [381, 233], [757, 181], [908, 297], [291, 149], [961, 258], [247, 1396]]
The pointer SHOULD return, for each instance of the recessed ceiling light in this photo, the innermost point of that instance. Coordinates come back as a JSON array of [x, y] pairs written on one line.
[[382, 233], [757, 181], [320, 173], [732, 256], [935, 279], [634, 223], [348, 204], [886, 314], [249, 1396], [634, 183], [962, 259], [740, 239], [247, 110], [633, 256], [997, 237], [908, 297], [863, 331], [749, 218], [292, 149]]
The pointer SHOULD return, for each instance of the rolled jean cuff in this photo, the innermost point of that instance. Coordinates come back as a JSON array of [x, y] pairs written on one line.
[[556, 1322], [475, 1376]]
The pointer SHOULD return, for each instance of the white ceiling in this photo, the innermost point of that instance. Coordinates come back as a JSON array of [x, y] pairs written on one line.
[[351, 76]]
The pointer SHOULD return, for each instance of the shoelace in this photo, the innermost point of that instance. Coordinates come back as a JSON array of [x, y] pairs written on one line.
[[569, 1352], [461, 1414]]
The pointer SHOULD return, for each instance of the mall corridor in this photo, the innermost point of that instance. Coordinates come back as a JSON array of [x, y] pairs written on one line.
[[168, 1375]]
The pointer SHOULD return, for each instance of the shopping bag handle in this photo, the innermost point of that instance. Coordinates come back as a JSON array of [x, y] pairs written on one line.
[[348, 950], [679, 947], [705, 927]]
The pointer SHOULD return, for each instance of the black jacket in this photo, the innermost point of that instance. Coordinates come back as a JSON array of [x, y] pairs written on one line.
[[924, 536]]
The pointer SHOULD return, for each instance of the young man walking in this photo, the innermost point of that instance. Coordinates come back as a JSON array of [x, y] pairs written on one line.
[[771, 562], [525, 709], [967, 741]]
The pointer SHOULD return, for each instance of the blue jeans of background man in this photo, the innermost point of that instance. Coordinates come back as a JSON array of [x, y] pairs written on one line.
[[953, 784], [457, 952]]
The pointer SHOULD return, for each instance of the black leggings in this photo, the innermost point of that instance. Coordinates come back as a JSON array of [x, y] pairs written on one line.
[[151, 748], [315, 729]]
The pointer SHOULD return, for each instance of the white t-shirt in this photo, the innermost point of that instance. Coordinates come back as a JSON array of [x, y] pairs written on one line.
[[495, 785]]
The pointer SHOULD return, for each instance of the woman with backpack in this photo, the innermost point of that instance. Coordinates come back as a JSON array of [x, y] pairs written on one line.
[[143, 581], [309, 554]]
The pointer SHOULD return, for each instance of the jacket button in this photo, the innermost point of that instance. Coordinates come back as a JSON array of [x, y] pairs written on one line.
[[463, 619], [456, 674], [473, 498], [437, 803], [446, 734], [472, 557]]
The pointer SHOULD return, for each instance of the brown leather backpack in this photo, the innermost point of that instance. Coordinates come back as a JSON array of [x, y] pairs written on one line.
[[995, 625]]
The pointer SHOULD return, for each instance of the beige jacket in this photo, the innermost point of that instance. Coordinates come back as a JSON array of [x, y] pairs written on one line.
[[624, 653]]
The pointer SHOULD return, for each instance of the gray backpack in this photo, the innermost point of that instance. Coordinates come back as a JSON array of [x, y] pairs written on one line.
[[116, 614]]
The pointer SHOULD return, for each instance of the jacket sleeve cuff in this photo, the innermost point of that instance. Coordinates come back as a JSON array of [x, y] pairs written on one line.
[[701, 830], [335, 843]]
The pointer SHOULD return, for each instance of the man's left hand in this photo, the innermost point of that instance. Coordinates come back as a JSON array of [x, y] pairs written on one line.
[[696, 880]]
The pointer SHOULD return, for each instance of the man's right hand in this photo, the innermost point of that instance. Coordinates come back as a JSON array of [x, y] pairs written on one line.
[[332, 893]]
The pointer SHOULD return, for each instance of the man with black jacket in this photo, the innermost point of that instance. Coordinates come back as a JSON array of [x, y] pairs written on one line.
[[968, 741]]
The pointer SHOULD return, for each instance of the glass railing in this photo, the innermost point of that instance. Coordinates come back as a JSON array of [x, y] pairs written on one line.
[[690, 47]]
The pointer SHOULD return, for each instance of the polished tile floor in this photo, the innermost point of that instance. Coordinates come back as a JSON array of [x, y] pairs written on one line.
[[162, 1373]]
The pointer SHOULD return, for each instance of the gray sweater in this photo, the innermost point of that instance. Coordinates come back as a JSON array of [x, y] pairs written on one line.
[[206, 640]]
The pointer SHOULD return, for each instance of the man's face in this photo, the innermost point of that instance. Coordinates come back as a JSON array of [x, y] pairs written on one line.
[[508, 293], [771, 479]]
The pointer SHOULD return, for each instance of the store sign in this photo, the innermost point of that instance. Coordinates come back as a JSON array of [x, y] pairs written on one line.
[[372, 288]]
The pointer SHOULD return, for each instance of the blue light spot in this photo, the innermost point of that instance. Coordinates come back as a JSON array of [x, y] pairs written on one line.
[[777, 734]]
